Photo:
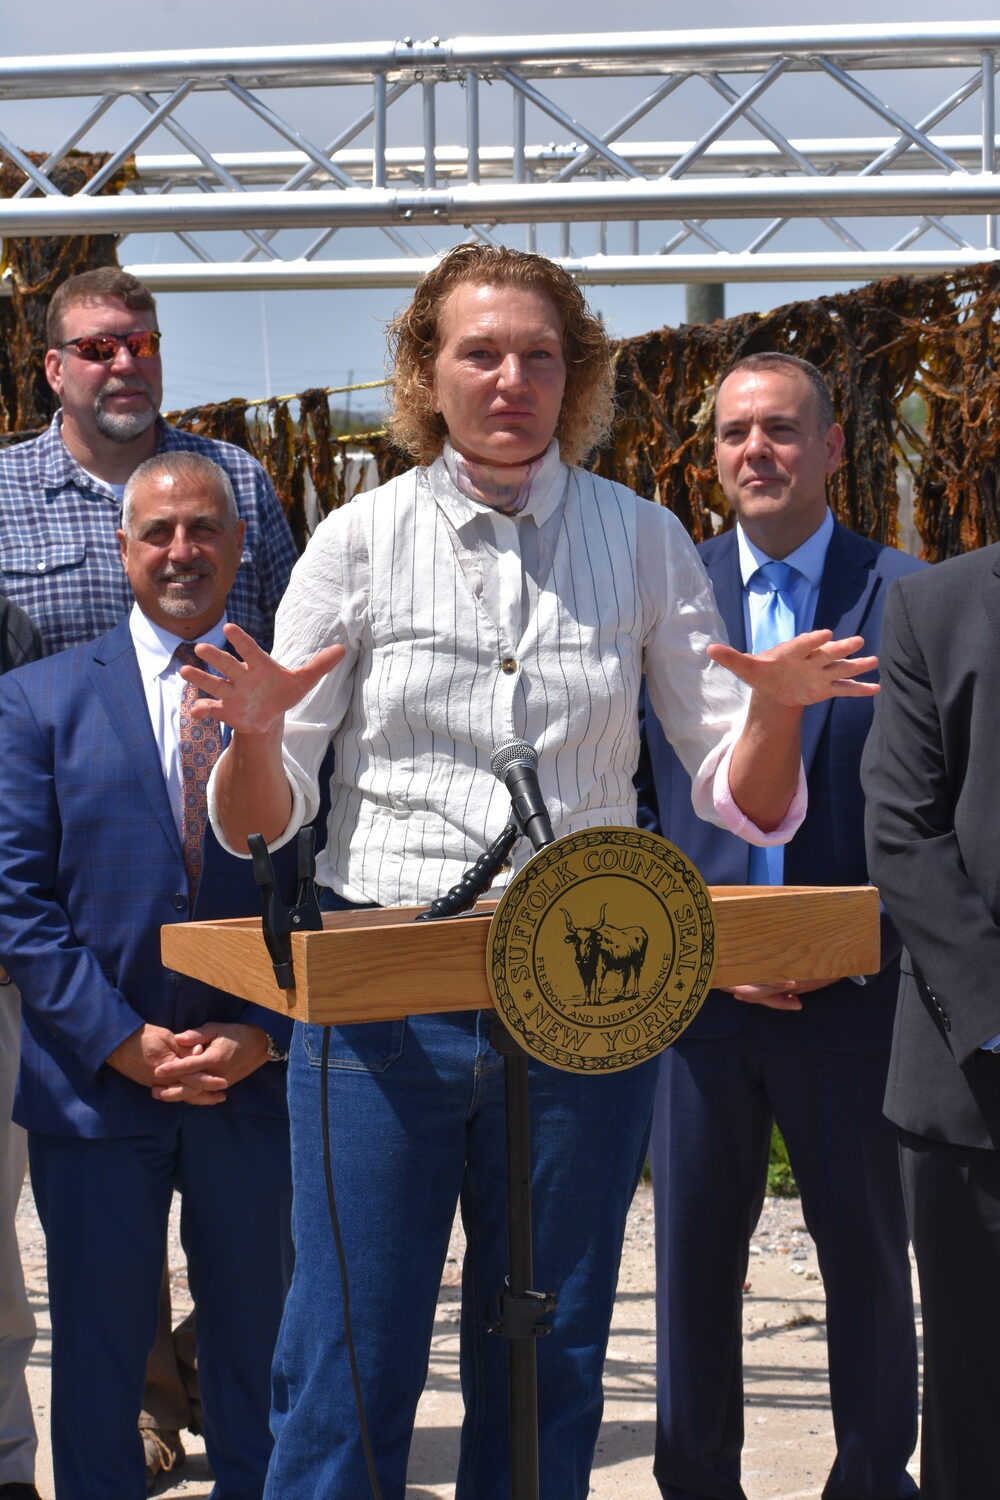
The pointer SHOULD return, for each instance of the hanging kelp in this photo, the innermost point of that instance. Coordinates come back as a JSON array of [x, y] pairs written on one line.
[[36, 268], [663, 436], [914, 366], [957, 476], [313, 470]]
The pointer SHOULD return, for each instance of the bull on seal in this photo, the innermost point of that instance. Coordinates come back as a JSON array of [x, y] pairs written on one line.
[[602, 950]]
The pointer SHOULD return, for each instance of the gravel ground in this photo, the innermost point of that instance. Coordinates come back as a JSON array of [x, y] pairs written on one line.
[[789, 1445]]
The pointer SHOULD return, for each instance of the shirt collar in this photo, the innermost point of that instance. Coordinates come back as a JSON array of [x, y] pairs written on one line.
[[155, 647], [547, 489], [59, 468], [809, 559]]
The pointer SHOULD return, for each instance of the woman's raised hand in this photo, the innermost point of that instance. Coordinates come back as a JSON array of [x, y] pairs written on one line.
[[807, 669], [252, 692]]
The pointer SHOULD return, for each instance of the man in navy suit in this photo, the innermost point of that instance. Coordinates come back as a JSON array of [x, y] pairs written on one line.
[[811, 1056], [133, 1079]]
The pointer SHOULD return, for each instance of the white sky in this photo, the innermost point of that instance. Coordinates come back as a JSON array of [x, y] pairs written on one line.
[[253, 344]]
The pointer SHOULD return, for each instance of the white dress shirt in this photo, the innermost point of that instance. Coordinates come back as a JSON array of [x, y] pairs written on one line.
[[163, 685]]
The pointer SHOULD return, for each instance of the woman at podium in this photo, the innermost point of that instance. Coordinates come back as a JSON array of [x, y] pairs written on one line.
[[496, 590]]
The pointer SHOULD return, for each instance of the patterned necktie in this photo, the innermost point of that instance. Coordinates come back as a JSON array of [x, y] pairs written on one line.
[[775, 623], [199, 742]]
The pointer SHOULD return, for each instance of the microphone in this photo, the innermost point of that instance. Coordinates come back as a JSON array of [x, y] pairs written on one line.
[[515, 763]]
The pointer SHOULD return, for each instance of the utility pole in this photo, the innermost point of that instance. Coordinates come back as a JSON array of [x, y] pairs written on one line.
[[704, 301]]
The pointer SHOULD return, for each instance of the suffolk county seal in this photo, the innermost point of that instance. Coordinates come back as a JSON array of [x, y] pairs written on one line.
[[601, 949]]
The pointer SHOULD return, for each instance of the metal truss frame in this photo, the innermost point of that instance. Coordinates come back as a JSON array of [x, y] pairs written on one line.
[[743, 198]]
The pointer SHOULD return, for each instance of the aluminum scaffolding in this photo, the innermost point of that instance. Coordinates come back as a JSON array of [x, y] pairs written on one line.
[[727, 180]]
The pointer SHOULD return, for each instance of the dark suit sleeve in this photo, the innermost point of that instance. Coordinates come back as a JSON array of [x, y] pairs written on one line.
[[61, 980], [20, 642], [271, 1022], [647, 813], [913, 849]]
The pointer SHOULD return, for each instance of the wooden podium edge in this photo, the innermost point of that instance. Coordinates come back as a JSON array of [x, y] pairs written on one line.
[[378, 964]]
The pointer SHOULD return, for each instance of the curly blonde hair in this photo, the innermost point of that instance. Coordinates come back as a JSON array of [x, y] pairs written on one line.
[[588, 401]]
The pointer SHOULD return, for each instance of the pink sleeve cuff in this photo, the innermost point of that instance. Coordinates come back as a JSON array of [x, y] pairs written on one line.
[[735, 819]]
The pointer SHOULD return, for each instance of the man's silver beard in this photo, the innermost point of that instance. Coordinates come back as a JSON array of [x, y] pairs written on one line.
[[181, 606], [127, 425]]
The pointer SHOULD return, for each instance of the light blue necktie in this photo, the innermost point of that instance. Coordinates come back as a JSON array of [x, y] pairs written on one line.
[[775, 623]]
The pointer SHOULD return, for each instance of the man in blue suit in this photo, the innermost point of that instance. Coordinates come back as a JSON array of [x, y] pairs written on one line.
[[133, 1079], [812, 1056]]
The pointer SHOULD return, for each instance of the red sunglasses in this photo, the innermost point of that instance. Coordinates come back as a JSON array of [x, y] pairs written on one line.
[[101, 348]]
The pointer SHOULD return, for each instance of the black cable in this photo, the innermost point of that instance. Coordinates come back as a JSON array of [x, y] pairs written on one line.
[[279, 921], [331, 1204]]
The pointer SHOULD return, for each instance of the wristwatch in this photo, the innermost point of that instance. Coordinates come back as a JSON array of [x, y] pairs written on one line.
[[275, 1051]]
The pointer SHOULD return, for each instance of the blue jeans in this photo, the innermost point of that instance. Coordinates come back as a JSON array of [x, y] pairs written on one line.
[[417, 1124]]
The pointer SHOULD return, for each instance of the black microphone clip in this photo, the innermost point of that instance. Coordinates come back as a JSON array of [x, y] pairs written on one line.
[[280, 921]]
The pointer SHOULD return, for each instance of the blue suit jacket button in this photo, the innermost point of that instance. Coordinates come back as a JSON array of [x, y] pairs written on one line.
[[179, 902]]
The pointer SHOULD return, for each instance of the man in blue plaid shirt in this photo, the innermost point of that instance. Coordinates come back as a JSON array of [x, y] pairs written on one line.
[[60, 498], [60, 494]]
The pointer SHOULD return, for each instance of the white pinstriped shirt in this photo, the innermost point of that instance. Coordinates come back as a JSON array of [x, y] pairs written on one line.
[[454, 644]]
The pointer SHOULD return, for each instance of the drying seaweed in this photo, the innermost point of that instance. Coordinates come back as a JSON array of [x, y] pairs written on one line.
[[879, 347], [914, 366], [299, 449], [36, 268]]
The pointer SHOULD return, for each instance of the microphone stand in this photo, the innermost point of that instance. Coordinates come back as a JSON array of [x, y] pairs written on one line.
[[516, 1313]]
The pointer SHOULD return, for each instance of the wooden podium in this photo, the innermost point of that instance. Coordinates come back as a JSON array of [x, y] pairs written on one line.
[[379, 965]]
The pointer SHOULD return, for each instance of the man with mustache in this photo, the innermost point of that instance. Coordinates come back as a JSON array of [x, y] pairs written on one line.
[[133, 1079], [60, 496]]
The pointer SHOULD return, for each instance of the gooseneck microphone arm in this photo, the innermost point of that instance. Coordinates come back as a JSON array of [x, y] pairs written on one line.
[[515, 763], [476, 881]]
